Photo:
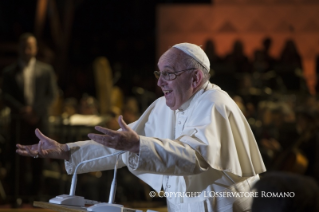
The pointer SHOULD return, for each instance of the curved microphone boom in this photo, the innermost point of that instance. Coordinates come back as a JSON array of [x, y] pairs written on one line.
[[73, 200]]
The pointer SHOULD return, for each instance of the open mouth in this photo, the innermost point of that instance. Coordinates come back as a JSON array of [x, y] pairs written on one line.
[[167, 92]]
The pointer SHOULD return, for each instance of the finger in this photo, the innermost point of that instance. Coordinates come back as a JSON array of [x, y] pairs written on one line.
[[22, 152], [122, 124], [39, 134], [102, 139], [19, 146], [105, 131], [40, 150], [31, 153], [23, 147]]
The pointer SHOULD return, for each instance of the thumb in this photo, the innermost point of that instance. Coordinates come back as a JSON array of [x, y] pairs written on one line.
[[39, 134], [122, 124]]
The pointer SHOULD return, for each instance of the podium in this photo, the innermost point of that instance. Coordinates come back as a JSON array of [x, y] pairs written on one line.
[[59, 208], [64, 208], [73, 203]]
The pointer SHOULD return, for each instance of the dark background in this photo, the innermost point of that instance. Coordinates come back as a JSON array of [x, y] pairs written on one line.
[[123, 31]]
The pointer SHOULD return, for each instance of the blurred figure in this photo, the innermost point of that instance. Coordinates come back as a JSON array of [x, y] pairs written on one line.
[[238, 58], [103, 81], [88, 105], [260, 64], [301, 193], [223, 73], [265, 52], [131, 110], [69, 107], [211, 52], [290, 55], [263, 61], [263, 66], [109, 97], [29, 88], [289, 69]]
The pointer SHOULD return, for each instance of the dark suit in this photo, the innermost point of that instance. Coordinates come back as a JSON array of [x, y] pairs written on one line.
[[22, 131], [44, 93]]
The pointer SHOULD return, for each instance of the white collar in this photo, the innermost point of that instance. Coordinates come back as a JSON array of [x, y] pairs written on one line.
[[186, 104], [29, 64]]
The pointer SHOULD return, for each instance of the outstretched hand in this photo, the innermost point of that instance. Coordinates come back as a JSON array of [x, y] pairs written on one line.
[[127, 139], [46, 148]]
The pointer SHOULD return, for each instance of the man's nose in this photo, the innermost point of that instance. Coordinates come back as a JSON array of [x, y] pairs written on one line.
[[160, 81]]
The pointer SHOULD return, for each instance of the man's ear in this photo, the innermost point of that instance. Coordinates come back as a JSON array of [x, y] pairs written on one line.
[[197, 78]]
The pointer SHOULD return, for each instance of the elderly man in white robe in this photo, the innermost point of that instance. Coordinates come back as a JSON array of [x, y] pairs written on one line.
[[194, 143]]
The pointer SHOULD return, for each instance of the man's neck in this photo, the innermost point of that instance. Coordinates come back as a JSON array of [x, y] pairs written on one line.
[[186, 104]]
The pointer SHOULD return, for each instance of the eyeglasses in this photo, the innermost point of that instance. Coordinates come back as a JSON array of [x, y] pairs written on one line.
[[169, 76]]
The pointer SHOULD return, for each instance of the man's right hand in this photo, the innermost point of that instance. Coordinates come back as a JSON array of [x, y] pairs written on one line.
[[46, 148]]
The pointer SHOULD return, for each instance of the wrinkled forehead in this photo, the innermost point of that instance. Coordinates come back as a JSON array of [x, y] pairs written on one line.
[[171, 58]]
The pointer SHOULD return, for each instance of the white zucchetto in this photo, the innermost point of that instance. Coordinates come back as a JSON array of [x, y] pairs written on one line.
[[195, 52]]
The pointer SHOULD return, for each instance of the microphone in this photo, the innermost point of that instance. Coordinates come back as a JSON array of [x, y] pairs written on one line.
[[110, 206], [79, 201], [113, 185]]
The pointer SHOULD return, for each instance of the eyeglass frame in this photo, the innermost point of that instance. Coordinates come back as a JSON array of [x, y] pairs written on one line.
[[159, 73]]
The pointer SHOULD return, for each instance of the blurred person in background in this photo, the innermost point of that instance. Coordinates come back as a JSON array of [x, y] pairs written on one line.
[[238, 58], [29, 87], [290, 70]]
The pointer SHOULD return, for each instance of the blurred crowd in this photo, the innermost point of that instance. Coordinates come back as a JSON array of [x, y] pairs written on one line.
[[274, 96], [271, 92]]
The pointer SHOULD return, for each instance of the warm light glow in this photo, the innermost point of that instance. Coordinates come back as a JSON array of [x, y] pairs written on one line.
[[250, 23]]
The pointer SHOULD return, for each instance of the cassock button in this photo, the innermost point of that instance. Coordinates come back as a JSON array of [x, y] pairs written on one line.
[[179, 122]]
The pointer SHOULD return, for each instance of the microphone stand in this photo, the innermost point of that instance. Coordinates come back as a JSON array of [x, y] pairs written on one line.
[[79, 201], [114, 184], [110, 206], [72, 200]]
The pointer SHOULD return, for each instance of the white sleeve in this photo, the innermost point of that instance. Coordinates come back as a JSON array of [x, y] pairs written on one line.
[[85, 150], [166, 156]]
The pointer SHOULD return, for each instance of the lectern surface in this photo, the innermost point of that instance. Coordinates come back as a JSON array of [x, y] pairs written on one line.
[[63, 208], [59, 208]]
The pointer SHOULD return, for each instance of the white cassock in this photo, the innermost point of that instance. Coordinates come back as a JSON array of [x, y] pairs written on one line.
[[204, 147]]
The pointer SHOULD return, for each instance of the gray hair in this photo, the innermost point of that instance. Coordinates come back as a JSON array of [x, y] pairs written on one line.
[[190, 62]]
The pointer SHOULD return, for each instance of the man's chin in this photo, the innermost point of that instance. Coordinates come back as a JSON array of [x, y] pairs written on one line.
[[170, 106]]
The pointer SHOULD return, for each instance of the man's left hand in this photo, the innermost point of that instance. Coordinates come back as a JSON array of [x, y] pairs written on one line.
[[127, 139]]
